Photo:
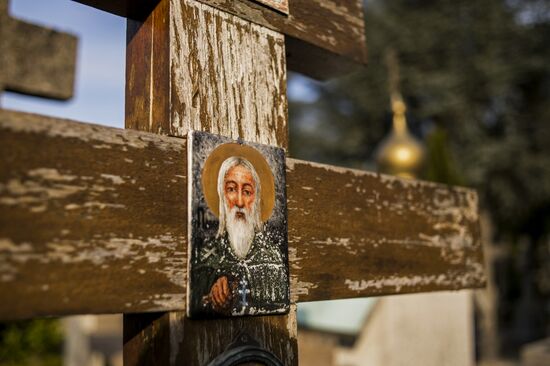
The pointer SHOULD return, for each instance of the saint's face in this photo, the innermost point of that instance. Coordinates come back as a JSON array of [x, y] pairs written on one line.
[[239, 190]]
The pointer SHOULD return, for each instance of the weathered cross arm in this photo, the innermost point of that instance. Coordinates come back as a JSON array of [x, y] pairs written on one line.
[[323, 38], [35, 60], [93, 220]]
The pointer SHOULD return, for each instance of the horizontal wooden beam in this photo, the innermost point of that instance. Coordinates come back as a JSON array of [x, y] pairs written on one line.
[[356, 234], [93, 220], [323, 38]]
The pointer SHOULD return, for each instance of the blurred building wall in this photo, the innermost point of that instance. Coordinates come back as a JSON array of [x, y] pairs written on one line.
[[93, 340], [316, 348], [422, 329]]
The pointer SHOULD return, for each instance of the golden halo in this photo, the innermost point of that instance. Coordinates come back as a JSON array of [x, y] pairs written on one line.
[[211, 170]]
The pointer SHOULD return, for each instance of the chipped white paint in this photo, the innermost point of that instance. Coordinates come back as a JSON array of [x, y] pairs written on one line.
[[51, 174], [472, 213], [446, 215], [291, 165], [114, 178], [338, 242], [6, 245], [385, 214], [23, 192], [101, 146], [475, 273], [291, 323], [176, 334], [228, 75], [299, 288], [93, 204], [398, 283], [54, 127], [44, 185], [281, 5], [293, 259], [103, 251]]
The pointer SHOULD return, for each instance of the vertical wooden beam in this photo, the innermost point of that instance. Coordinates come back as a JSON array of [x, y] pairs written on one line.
[[195, 67], [190, 66]]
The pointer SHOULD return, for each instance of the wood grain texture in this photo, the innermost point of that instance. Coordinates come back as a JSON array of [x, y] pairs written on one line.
[[210, 71], [148, 72], [228, 76], [203, 69], [35, 60], [324, 38], [280, 5], [173, 339], [82, 206], [357, 234], [332, 28], [91, 218]]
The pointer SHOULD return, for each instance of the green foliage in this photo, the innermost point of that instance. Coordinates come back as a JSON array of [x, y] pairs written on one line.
[[478, 70], [475, 76], [440, 165], [31, 343]]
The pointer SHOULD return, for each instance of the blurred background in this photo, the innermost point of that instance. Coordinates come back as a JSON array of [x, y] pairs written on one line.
[[456, 92]]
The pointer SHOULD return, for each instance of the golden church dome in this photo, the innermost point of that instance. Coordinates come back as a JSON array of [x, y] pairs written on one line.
[[400, 153]]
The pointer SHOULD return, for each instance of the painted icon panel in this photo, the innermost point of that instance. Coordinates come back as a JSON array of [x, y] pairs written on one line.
[[238, 242]]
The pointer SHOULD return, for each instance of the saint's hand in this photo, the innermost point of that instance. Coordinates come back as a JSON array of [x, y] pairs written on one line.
[[220, 295]]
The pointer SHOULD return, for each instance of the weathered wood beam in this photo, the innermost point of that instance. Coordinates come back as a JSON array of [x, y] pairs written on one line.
[[191, 66], [35, 60], [159, 344], [324, 38], [92, 220], [358, 234]]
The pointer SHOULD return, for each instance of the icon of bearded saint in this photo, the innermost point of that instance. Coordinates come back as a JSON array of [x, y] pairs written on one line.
[[241, 269]]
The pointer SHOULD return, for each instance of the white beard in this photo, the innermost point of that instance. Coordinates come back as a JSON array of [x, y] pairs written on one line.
[[240, 232]]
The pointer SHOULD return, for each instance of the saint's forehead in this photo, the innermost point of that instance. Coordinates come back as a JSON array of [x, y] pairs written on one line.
[[239, 173]]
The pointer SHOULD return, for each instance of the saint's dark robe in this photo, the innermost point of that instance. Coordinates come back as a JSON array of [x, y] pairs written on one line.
[[259, 282]]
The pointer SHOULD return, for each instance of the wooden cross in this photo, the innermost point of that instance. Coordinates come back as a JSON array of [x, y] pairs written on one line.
[[93, 219], [35, 60]]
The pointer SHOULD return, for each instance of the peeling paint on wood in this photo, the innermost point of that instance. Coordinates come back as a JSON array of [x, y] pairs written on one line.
[[212, 72], [64, 202], [394, 235], [194, 67], [77, 235], [280, 5], [323, 38], [235, 70], [88, 133]]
